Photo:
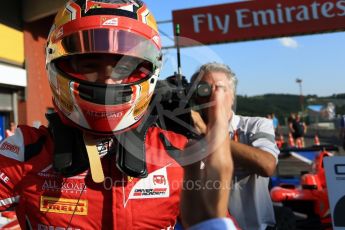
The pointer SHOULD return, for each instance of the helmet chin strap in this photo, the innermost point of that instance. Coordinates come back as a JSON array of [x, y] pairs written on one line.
[[94, 158]]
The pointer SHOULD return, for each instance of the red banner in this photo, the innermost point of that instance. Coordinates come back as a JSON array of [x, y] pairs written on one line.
[[250, 20]]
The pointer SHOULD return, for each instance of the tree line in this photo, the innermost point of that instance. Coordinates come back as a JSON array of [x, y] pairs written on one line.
[[284, 104]]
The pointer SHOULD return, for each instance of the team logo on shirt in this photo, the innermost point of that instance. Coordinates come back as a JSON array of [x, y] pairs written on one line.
[[155, 185], [4, 177], [159, 179], [9, 147], [64, 206]]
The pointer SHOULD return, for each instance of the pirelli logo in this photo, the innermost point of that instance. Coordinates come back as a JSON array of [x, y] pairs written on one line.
[[63, 206]]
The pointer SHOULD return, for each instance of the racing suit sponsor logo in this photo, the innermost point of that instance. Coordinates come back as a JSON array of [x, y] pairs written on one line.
[[149, 192], [110, 22], [103, 146], [155, 185], [4, 177], [159, 179], [49, 172], [69, 186], [102, 115], [9, 147], [64, 206], [50, 227]]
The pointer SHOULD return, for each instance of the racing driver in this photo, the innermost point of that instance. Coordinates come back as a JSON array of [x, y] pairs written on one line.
[[101, 163]]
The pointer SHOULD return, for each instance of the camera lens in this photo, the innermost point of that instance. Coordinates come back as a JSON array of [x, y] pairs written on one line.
[[203, 90]]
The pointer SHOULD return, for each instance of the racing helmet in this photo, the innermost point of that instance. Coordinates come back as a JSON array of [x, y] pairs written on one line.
[[103, 59]]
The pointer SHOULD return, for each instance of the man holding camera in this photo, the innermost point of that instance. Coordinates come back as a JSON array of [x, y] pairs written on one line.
[[252, 147]]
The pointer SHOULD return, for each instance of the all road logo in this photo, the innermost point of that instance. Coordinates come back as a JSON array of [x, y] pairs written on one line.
[[54, 182], [64, 206], [156, 185], [69, 186]]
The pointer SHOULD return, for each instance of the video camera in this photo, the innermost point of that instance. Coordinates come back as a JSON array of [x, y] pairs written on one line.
[[173, 100]]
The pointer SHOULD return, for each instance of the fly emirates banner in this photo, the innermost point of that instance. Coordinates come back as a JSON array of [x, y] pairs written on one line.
[[250, 20]]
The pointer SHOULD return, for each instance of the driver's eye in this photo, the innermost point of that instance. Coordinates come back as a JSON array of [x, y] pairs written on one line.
[[122, 69], [87, 67]]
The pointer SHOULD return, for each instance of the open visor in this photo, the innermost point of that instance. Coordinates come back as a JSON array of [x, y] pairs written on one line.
[[110, 41], [110, 95], [104, 68]]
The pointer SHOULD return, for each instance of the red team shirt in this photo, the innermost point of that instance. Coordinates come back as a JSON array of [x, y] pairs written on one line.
[[44, 199]]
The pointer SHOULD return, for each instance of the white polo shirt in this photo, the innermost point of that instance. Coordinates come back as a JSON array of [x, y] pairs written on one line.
[[250, 202]]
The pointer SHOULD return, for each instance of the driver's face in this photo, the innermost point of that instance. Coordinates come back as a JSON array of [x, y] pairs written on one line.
[[104, 68]]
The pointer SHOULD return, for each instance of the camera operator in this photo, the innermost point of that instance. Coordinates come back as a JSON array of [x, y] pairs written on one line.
[[254, 153], [208, 203]]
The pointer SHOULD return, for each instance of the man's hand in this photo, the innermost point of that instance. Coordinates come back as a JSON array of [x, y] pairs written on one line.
[[206, 191], [199, 123]]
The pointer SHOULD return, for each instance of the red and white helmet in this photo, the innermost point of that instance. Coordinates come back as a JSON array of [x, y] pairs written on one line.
[[86, 32]]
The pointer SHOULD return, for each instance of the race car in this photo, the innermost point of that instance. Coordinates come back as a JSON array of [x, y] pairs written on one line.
[[304, 205]]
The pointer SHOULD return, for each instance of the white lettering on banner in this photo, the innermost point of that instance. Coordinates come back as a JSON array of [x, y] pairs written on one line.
[[341, 6], [240, 17], [326, 8], [266, 16], [210, 22], [303, 14], [247, 18], [314, 7], [222, 24], [288, 11], [197, 21], [280, 14], [4, 178]]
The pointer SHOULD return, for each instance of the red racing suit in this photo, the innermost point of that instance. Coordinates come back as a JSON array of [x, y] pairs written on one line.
[[44, 199]]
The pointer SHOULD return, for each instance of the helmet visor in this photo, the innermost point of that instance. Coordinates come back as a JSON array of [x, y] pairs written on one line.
[[105, 68], [107, 40]]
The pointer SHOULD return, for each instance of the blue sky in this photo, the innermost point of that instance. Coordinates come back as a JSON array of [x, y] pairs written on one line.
[[263, 66]]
